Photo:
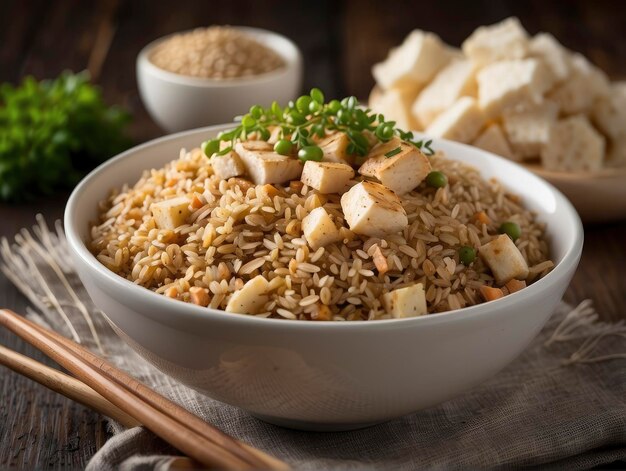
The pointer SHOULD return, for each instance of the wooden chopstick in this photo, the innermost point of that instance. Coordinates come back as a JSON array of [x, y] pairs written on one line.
[[167, 420], [63, 384]]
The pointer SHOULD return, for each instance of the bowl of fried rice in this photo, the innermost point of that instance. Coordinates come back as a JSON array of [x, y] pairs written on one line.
[[317, 289]]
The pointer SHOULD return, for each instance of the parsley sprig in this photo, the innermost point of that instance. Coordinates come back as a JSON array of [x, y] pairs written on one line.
[[310, 116], [52, 132]]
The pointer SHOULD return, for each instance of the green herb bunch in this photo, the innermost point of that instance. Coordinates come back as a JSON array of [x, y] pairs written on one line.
[[310, 116], [52, 132]]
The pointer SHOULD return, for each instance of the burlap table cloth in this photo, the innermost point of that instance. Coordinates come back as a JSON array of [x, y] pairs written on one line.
[[561, 404]]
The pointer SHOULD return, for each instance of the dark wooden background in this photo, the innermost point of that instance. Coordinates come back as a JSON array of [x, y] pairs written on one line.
[[340, 40]]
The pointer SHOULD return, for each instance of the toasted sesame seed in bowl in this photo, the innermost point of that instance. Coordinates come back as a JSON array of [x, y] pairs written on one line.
[[217, 52]]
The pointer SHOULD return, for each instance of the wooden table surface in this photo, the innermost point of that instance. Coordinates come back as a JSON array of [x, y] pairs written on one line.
[[340, 41]]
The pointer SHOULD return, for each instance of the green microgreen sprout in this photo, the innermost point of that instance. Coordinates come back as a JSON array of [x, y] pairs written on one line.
[[309, 118]]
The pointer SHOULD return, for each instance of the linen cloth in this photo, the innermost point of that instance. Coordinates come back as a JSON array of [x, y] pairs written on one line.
[[561, 404]]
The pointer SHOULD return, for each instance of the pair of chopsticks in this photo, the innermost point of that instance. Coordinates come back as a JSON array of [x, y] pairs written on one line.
[[100, 385]]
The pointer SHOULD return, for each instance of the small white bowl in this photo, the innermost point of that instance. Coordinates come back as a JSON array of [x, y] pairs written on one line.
[[324, 375], [178, 102], [597, 196]]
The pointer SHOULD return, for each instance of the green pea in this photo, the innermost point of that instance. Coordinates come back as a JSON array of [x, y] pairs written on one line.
[[295, 118], [311, 153], [314, 107], [334, 106], [256, 111], [248, 121], [467, 255], [343, 116], [283, 147], [317, 95], [436, 179], [511, 229], [210, 147], [302, 104]]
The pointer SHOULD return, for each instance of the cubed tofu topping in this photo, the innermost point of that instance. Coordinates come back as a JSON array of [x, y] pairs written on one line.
[[585, 84], [573, 145], [528, 130], [396, 102], [319, 229], [327, 177], [555, 56], [250, 298], [504, 259], [455, 80], [263, 165], [414, 62], [227, 166], [492, 139], [505, 40], [461, 122], [609, 113], [401, 172], [169, 214], [409, 301], [511, 83], [335, 148], [374, 210]]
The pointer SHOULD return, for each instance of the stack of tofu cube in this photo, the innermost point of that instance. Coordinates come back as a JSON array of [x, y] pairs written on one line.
[[524, 98]]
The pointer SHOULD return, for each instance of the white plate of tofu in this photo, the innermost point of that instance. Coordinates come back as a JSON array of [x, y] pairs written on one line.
[[526, 98]]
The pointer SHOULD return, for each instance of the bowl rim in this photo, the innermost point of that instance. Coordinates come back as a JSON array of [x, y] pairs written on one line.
[[292, 58], [191, 312]]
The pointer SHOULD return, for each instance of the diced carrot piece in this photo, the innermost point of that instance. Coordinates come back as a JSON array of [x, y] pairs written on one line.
[[196, 203], [242, 183], [171, 292], [491, 294], [380, 261], [322, 313], [269, 190], [199, 296], [481, 216], [515, 285], [295, 186]]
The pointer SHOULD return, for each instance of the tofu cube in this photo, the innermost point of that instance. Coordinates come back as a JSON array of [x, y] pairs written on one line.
[[414, 63], [401, 172], [544, 46], [609, 113], [528, 130], [512, 83], [395, 104], [461, 122], [169, 214], [501, 41], [574, 146], [327, 177], [585, 84], [319, 229], [335, 148], [493, 140], [455, 80], [263, 165], [251, 298], [373, 210], [504, 259], [227, 166], [616, 156], [409, 301]]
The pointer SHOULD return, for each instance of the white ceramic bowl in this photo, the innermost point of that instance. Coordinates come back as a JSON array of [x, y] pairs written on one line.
[[324, 375], [178, 102]]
